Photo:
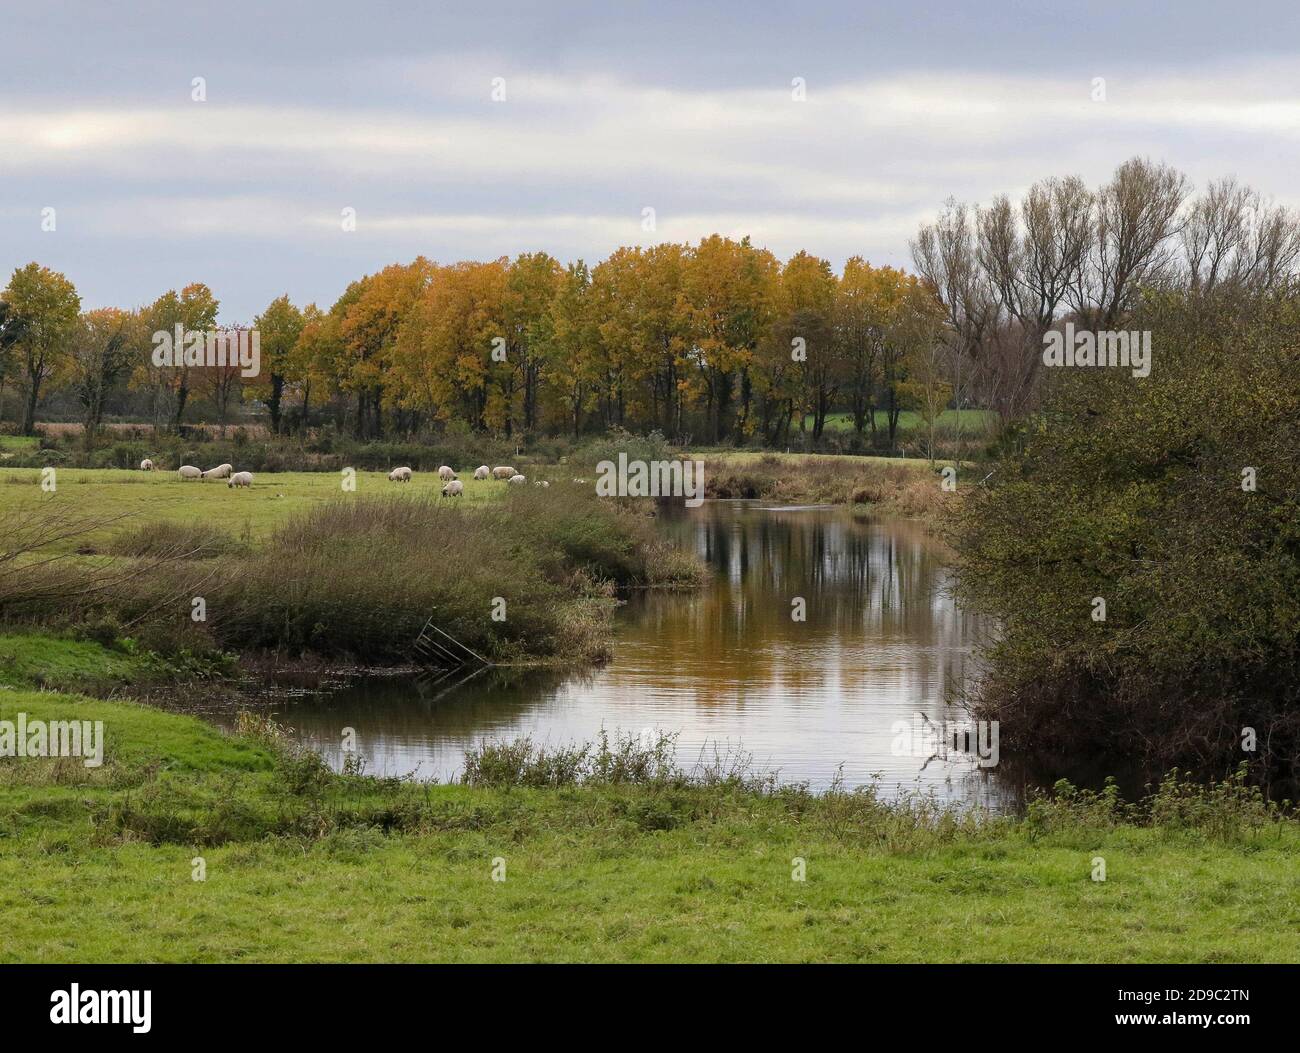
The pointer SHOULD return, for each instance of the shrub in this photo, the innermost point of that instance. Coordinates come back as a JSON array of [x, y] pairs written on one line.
[[1130, 489]]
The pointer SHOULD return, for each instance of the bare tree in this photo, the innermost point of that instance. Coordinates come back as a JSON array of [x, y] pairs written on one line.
[[1137, 245], [1232, 238], [101, 355]]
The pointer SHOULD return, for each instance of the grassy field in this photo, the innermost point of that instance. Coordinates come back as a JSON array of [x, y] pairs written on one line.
[[971, 421], [303, 865], [250, 514], [12, 444], [47, 661], [298, 566]]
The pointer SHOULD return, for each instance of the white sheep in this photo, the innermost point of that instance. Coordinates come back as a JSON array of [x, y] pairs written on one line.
[[188, 471], [542, 483], [503, 472], [516, 480], [400, 475], [240, 479], [453, 489], [146, 465], [482, 471], [446, 474], [221, 471]]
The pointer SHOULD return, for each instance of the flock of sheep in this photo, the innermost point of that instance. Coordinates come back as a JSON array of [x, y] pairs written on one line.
[[221, 471], [452, 487]]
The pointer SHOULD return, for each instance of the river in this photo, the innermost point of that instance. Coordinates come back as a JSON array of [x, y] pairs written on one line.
[[821, 635]]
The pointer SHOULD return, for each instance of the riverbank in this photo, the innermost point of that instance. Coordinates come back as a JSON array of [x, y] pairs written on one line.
[[897, 487], [298, 864], [301, 565]]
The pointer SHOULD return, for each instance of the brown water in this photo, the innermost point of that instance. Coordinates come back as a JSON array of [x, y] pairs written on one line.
[[726, 669]]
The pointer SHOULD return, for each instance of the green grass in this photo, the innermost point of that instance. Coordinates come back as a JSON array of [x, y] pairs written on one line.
[[11, 445], [795, 458], [972, 421], [48, 661], [245, 513], [305, 866]]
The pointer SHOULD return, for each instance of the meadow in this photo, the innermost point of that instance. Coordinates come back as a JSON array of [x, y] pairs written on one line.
[[132, 497], [641, 865], [899, 485], [607, 852]]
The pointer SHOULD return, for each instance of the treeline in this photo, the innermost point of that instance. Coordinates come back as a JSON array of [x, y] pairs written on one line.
[[1136, 544], [1010, 271], [714, 342]]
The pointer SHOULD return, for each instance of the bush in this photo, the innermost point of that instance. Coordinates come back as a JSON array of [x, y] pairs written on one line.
[[1130, 490], [360, 577]]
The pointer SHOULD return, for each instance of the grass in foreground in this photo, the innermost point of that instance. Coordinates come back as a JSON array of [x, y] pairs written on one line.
[[305, 865]]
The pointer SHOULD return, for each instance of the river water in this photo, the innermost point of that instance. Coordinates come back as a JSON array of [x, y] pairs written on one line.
[[821, 635]]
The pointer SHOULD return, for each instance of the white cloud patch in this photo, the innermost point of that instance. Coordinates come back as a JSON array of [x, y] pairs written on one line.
[[567, 164]]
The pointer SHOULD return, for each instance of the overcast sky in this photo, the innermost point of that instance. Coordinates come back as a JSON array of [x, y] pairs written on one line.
[[610, 108]]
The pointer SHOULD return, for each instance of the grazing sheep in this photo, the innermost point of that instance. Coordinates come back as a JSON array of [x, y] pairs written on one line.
[[221, 471], [542, 483], [188, 471], [453, 489], [241, 479], [516, 480], [446, 474], [579, 481], [482, 471], [399, 475], [503, 472], [146, 465]]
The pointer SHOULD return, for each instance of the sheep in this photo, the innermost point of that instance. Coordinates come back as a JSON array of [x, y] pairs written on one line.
[[453, 489], [542, 483], [446, 474], [516, 480], [503, 472], [240, 479], [146, 465], [482, 471], [188, 471], [221, 471], [400, 475]]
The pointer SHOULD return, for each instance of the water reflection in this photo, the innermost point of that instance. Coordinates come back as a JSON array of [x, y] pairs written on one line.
[[731, 665]]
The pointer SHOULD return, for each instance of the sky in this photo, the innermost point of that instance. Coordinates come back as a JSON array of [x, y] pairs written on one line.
[[609, 109]]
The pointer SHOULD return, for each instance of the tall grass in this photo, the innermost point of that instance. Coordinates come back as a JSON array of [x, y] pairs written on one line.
[[901, 489], [533, 577]]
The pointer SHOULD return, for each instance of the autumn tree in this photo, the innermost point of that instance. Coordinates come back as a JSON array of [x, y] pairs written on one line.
[[279, 327], [371, 314], [568, 340], [727, 295], [444, 353], [43, 309], [101, 356], [314, 361], [643, 328], [531, 285]]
